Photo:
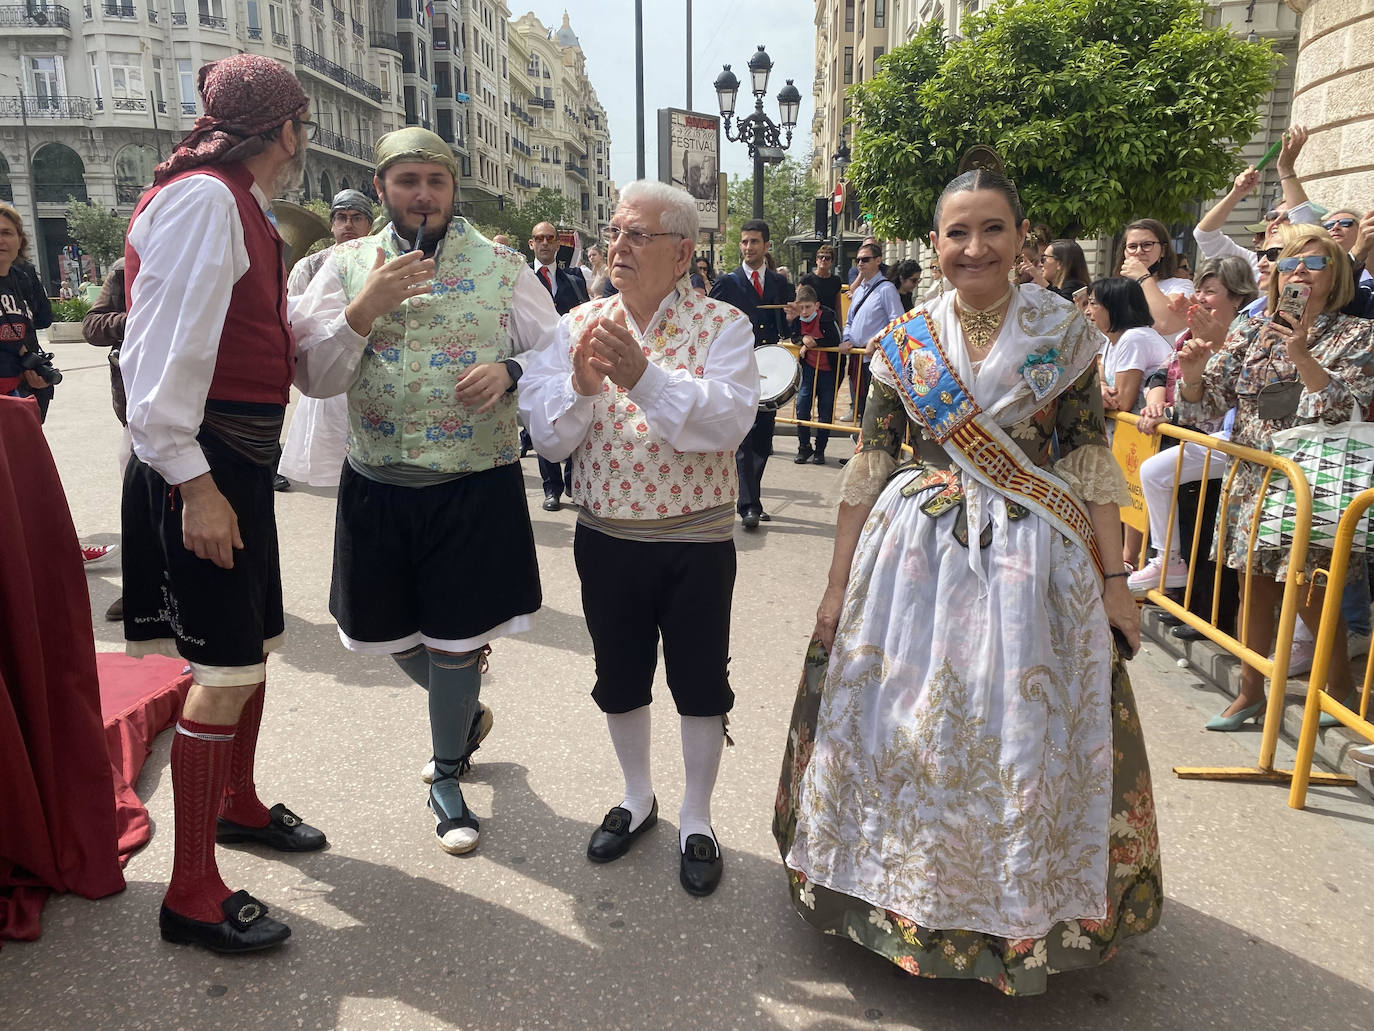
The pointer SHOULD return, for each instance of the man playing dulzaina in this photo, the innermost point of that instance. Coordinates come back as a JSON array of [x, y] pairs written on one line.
[[433, 550]]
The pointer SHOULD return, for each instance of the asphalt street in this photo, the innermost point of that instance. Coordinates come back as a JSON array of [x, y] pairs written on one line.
[[1267, 924]]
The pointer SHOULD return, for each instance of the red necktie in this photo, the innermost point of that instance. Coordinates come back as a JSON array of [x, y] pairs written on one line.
[[758, 286], [544, 275]]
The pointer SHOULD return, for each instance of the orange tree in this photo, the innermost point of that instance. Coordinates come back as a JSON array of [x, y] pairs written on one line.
[[1103, 110]]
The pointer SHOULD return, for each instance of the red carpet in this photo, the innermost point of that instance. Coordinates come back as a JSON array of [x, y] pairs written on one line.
[[139, 698]]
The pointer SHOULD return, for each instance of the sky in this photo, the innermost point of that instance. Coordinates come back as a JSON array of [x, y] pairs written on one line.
[[723, 32]]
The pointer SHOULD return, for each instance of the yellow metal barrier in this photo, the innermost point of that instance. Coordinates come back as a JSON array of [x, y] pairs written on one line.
[[841, 360], [1318, 701], [1275, 669]]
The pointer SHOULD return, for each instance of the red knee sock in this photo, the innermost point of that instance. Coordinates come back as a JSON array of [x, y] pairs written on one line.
[[241, 803], [200, 767]]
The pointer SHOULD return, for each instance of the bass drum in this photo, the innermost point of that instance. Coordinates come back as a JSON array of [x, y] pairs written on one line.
[[779, 375]]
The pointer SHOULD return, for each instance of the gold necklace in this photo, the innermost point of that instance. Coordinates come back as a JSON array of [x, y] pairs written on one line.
[[979, 324]]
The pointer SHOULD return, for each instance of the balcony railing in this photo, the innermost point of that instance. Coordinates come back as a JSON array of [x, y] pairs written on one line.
[[255, 32], [317, 4], [130, 104], [46, 107], [577, 170], [338, 17], [188, 107], [152, 15], [338, 73], [50, 17], [280, 39], [178, 17], [385, 40], [127, 192], [357, 28], [342, 144], [211, 22], [120, 11]]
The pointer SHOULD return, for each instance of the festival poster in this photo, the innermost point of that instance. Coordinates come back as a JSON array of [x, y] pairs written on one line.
[[1131, 448], [689, 157]]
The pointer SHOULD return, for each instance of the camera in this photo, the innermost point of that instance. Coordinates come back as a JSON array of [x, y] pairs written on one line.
[[40, 362]]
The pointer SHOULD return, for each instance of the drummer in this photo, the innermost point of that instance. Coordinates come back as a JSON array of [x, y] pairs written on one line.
[[650, 390], [761, 294], [873, 303]]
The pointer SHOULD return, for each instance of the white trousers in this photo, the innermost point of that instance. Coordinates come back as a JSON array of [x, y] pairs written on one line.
[[1157, 484]]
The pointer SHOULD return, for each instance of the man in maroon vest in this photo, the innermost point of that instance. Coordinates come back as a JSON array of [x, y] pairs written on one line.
[[208, 362]]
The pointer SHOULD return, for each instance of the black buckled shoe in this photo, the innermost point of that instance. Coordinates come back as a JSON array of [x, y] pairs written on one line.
[[285, 832], [246, 927], [701, 865], [613, 838]]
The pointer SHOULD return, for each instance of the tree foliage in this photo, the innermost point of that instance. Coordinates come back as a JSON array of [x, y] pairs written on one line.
[[98, 231], [518, 222], [789, 192], [1103, 110]]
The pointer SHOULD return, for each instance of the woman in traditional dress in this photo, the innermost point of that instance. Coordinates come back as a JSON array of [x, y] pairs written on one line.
[[965, 789], [1276, 375]]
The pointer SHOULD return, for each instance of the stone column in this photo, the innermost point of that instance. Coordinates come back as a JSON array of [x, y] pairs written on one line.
[[1333, 96]]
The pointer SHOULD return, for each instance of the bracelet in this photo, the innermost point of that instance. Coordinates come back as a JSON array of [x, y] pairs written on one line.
[[1143, 278], [1290, 175], [1113, 576]]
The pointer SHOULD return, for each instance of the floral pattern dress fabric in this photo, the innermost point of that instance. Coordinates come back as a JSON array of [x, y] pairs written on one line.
[[1235, 376], [965, 789]]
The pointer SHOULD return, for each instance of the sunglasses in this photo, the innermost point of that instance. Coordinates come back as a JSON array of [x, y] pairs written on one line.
[[1344, 223], [1311, 262], [865, 261], [1274, 215], [1269, 254]]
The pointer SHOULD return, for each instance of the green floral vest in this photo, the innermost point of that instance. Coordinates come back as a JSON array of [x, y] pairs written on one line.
[[401, 407]]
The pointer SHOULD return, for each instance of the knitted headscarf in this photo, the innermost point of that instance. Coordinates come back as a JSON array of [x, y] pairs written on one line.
[[244, 96]]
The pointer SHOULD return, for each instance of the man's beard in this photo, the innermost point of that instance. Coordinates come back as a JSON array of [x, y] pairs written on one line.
[[292, 174], [436, 225]]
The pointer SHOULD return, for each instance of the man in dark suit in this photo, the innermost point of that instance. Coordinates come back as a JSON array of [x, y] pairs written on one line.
[[569, 290], [751, 285]]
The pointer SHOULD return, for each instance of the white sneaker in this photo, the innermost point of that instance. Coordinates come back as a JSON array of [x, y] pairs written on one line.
[[1300, 657], [1359, 645], [1176, 575], [1363, 756]]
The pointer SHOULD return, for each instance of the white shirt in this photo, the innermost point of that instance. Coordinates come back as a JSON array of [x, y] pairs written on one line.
[[1139, 348], [1213, 243], [189, 241], [690, 413], [322, 330], [553, 274]]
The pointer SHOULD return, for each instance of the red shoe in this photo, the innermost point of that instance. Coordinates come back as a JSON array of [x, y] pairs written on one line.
[[98, 553]]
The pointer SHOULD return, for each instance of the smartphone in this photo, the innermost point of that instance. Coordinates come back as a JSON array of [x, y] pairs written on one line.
[[1080, 295], [1292, 304]]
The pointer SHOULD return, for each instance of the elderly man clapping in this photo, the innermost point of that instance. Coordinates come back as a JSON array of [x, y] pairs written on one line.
[[650, 391]]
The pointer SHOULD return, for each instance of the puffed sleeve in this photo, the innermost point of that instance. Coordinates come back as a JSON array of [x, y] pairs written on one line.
[[881, 437]]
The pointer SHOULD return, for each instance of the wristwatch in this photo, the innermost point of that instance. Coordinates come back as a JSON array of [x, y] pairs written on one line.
[[516, 371]]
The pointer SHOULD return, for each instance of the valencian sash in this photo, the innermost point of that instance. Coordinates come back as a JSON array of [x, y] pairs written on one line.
[[937, 398]]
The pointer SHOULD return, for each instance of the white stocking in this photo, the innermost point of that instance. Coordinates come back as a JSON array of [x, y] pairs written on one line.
[[630, 736], [703, 738]]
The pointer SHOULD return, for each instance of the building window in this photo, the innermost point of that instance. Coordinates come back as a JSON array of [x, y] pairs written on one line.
[[126, 76], [95, 82], [861, 69], [441, 32], [879, 14], [157, 84], [848, 15], [848, 65], [187, 80]]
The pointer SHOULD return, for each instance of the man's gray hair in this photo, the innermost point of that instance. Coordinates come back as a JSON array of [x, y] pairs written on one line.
[[678, 207]]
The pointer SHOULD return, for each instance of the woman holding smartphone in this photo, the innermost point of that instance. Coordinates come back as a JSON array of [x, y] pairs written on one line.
[[1063, 268], [1300, 362]]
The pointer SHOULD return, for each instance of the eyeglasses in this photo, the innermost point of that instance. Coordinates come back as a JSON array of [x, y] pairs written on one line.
[[1311, 262], [311, 130], [865, 261], [636, 238], [1142, 245], [349, 217], [1269, 254], [1344, 223]]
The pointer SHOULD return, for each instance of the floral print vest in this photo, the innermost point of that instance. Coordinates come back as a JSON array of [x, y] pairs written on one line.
[[623, 470], [401, 408]]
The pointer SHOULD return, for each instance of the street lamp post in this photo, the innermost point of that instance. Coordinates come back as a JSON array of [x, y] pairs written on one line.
[[839, 163], [757, 130]]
